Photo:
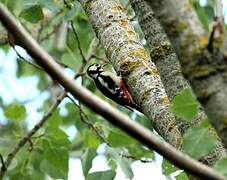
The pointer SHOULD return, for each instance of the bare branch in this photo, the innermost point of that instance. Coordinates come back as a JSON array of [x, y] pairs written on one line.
[[167, 62], [86, 121], [188, 38], [27, 61], [135, 158]]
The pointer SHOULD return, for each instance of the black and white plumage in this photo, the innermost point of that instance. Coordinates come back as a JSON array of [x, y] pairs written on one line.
[[111, 86]]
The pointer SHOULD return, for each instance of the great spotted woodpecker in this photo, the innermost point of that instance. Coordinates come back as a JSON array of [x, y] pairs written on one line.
[[111, 86]]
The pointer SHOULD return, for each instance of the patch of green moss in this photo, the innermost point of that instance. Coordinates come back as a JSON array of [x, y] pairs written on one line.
[[139, 53], [202, 71], [132, 81], [224, 120], [87, 3], [145, 95], [189, 50], [161, 51], [126, 67], [178, 27], [218, 42]]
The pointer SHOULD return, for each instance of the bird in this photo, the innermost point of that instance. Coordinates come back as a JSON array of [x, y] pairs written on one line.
[[112, 86]]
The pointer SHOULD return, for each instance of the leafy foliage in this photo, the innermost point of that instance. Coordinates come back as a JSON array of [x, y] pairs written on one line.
[[221, 166], [15, 112], [87, 158], [168, 168], [199, 140], [32, 14], [104, 175], [205, 13], [185, 105]]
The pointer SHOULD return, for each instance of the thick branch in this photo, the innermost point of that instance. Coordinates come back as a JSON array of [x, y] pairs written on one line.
[[99, 106], [206, 71], [166, 60], [128, 56]]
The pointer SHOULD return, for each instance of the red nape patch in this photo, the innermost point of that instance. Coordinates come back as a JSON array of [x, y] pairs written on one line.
[[126, 93]]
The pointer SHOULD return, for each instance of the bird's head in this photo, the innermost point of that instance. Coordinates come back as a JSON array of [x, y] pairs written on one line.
[[94, 70]]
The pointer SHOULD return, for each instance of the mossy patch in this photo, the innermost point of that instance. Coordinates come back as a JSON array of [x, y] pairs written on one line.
[[178, 27], [165, 100], [145, 96], [140, 53], [161, 51], [126, 67], [202, 71]]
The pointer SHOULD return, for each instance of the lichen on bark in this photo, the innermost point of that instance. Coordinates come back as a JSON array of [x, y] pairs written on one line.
[[206, 71], [166, 61], [134, 64]]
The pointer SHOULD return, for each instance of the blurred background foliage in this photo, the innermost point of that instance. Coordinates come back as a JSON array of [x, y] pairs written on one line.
[[74, 131]]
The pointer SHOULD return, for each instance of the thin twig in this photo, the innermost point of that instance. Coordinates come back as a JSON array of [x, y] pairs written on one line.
[[3, 168], [34, 64], [135, 158], [48, 114], [75, 34], [29, 62], [84, 118], [50, 33]]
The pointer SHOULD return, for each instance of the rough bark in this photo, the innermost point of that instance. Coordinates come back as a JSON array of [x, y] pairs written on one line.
[[205, 71], [133, 63], [166, 61]]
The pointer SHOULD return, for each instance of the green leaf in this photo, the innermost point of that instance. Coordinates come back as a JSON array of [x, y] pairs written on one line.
[[168, 168], [111, 163], [139, 151], [15, 112], [87, 159], [118, 139], [184, 105], [198, 141], [102, 175], [125, 164], [221, 166], [57, 156], [143, 120], [50, 4], [201, 14], [91, 140], [73, 116], [51, 170], [69, 60], [57, 137], [25, 69], [182, 176], [74, 11], [32, 14], [55, 120]]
